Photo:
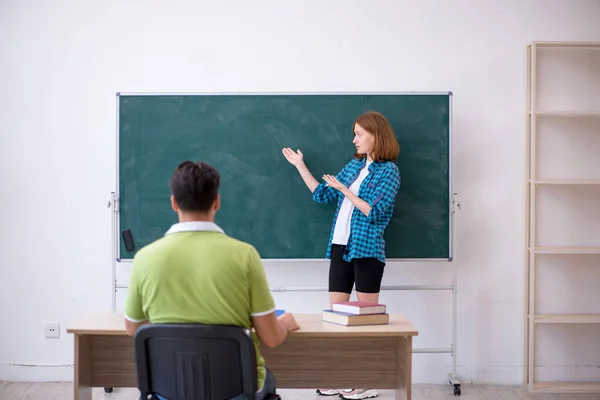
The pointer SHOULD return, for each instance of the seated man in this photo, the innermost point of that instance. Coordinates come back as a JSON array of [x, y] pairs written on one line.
[[197, 274]]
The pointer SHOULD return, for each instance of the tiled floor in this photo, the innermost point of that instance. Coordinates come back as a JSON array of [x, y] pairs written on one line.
[[64, 391]]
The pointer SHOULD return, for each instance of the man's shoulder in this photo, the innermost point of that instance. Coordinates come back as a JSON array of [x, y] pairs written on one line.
[[218, 239], [230, 246], [150, 248], [238, 245]]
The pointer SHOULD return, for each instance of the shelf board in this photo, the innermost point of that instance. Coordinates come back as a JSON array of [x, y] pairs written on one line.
[[566, 181], [566, 318], [567, 45], [566, 387], [567, 114], [567, 250]]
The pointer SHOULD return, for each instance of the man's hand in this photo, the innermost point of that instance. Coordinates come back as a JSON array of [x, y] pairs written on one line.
[[272, 330], [289, 321], [132, 327]]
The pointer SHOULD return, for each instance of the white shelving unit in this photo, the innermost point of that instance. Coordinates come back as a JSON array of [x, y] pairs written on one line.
[[563, 216]]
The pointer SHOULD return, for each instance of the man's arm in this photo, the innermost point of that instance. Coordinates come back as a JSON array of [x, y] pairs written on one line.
[[132, 327], [271, 330], [134, 312]]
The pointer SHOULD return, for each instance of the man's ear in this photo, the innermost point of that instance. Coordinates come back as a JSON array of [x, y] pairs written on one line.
[[217, 203], [174, 204]]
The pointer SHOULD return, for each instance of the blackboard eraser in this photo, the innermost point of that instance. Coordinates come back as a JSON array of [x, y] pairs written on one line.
[[128, 239]]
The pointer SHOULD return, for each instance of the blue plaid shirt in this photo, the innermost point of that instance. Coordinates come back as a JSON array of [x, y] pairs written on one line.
[[379, 189]]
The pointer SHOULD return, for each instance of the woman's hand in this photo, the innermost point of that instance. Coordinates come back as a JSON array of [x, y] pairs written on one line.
[[297, 160], [333, 182], [359, 203], [293, 158]]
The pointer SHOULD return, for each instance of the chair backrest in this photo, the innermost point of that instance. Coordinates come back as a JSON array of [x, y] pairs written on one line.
[[195, 361]]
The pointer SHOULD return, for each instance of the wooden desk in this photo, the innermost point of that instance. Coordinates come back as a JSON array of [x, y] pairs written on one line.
[[320, 354]]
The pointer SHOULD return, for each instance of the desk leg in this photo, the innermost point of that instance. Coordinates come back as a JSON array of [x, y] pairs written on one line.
[[83, 368], [404, 368]]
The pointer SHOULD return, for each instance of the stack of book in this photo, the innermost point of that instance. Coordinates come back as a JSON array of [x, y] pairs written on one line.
[[353, 313]]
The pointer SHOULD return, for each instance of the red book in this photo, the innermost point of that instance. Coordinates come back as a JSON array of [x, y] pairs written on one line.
[[359, 307]]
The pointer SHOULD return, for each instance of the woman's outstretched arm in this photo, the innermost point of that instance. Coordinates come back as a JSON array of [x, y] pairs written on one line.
[[297, 160], [307, 177]]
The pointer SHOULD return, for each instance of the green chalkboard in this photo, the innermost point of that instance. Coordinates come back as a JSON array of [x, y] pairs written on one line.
[[263, 199]]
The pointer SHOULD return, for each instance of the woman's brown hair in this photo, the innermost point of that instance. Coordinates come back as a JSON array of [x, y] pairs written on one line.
[[385, 147]]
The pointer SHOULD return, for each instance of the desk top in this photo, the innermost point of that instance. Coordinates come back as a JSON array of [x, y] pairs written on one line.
[[113, 323]]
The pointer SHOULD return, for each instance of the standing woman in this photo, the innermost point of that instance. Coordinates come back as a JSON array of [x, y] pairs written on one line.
[[365, 191]]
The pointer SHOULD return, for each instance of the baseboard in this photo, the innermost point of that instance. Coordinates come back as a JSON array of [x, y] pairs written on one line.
[[36, 373]]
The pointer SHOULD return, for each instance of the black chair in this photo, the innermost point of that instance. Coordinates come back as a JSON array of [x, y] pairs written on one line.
[[196, 362]]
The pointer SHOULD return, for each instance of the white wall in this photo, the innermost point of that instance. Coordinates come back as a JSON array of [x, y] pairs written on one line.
[[62, 63]]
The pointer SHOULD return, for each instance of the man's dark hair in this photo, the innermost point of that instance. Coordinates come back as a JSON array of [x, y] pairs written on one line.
[[195, 186]]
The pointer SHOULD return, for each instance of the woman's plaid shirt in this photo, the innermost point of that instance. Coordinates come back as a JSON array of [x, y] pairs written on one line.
[[379, 189]]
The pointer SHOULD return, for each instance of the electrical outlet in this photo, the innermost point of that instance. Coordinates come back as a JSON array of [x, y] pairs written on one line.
[[52, 329]]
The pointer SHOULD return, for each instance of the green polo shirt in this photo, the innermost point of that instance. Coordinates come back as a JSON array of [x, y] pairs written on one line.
[[197, 274]]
